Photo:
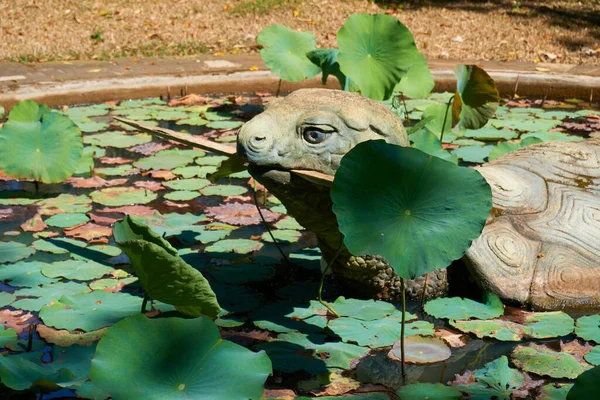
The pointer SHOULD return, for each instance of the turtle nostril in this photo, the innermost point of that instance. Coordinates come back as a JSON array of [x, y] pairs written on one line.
[[258, 138]]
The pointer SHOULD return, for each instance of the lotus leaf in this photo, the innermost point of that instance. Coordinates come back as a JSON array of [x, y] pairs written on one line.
[[418, 81], [375, 51], [495, 380], [528, 125], [24, 273], [6, 299], [285, 317], [122, 196], [194, 171], [66, 220], [166, 277], [491, 134], [240, 246], [223, 190], [507, 147], [39, 145], [182, 195], [476, 97], [588, 328], [421, 350], [96, 110], [88, 125], [543, 361], [429, 143], [593, 356], [419, 223], [57, 245], [173, 224], [549, 324], [14, 251], [65, 203], [224, 124], [327, 60], [366, 310], [37, 297], [379, 333], [76, 269], [459, 308], [169, 159], [498, 329], [586, 385], [435, 116], [115, 171], [187, 184], [437, 391], [19, 373], [173, 358], [194, 121], [282, 236], [285, 51], [7, 335], [552, 137], [474, 154], [89, 311], [170, 114]]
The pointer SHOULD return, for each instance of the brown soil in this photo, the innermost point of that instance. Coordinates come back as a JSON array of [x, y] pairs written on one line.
[[502, 30]]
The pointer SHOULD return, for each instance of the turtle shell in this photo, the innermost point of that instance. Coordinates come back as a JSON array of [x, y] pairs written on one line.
[[541, 243]]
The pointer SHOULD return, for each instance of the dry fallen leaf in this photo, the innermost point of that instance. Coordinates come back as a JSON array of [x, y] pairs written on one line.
[[189, 100]]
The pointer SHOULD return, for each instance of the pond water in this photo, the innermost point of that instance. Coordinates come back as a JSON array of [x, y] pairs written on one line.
[[57, 241]]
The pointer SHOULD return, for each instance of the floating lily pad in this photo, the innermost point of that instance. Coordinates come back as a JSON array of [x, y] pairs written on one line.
[[366, 310], [66, 220], [38, 144], [7, 335], [121, 196], [458, 308], [543, 361], [78, 270], [203, 365], [168, 159], [495, 380], [528, 125], [19, 373], [114, 171], [490, 133], [194, 171], [170, 114], [498, 329], [437, 391], [282, 236], [225, 124], [421, 350], [182, 195], [57, 245], [285, 51], [588, 328], [552, 137], [24, 273], [96, 110], [285, 317], [40, 296], [6, 299], [90, 311], [194, 121], [288, 223], [474, 154], [173, 224], [224, 190], [118, 139], [88, 125], [14, 251], [187, 184], [240, 246], [418, 81], [593, 356]]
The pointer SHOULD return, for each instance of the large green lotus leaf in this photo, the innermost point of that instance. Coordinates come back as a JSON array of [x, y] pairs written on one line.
[[90, 311], [421, 350], [379, 333], [588, 328], [66, 220], [285, 51], [593, 356], [428, 142], [187, 184], [437, 391], [327, 60], [418, 223], [435, 115], [508, 147], [285, 317], [14, 251], [542, 361], [211, 233], [38, 297], [122, 196], [166, 277], [494, 381], [459, 308], [174, 358], [296, 351], [168, 159], [39, 145], [375, 52], [133, 228], [418, 81], [76, 269], [239, 246], [476, 98], [586, 385], [19, 373], [366, 310], [24, 273]]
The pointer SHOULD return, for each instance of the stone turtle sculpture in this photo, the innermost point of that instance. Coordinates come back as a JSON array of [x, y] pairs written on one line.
[[540, 246]]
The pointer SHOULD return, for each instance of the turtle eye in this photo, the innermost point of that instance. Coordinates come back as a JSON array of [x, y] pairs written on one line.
[[314, 135]]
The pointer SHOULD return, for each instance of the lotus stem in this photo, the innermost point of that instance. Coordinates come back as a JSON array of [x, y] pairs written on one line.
[[144, 303], [278, 88], [287, 260], [30, 338], [424, 294], [445, 118], [322, 282], [406, 119], [403, 357]]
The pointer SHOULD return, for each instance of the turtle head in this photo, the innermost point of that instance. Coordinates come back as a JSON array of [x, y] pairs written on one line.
[[312, 129]]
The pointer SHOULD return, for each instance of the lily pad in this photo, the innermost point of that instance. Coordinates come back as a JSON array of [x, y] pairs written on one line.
[[285, 317], [90, 311], [366, 310], [396, 220], [24, 273], [285, 51], [224, 124], [429, 143], [239, 246], [120, 140], [182, 195], [122, 196], [282, 236], [552, 137], [495, 380], [491, 134], [75, 269], [223, 190], [543, 361], [588, 328], [38, 144], [375, 52], [459, 308], [508, 147], [198, 364], [11, 252], [168, 159], [187, 184], [474, 154], [66, 220], [593, 356], [421, 350]]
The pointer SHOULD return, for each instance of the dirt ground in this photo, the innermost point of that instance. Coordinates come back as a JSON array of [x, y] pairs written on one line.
[[501, 30]]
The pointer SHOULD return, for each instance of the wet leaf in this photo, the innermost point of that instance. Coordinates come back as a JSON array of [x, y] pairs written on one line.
[[121, 196], [588, 328], [543, 361], [421, 350], [11, 252], [458, 308]]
